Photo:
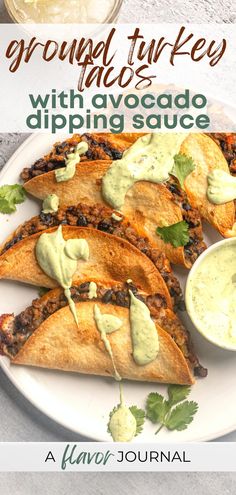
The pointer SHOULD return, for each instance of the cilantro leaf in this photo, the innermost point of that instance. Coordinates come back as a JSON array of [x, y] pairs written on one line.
[[5, 207], [177, 234], [181, 416], [177, 393], [156, 407], [183, 166], [166, 413], [10, 196], [139, 415]]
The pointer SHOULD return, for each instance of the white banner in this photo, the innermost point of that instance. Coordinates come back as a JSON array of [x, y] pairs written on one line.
[[67, 457], [136, 78]]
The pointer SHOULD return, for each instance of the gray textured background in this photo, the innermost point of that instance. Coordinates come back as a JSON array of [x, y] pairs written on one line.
[[19, 421]]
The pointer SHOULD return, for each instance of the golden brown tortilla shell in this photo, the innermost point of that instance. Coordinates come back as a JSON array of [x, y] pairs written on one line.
[[231, 232], [147, 205], [107, 213], [207, 156], [110, 258], [59, 344]]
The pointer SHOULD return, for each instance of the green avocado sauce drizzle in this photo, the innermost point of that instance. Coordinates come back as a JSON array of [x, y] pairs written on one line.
[[122, 424], [107, 324], [150, 158], [92, 290], [143, 331], [221, 187], [50, 204], [59, 260], [68, 172], [145, 342]]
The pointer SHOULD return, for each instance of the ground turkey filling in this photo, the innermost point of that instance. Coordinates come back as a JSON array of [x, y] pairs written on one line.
[[14, 331], [100, 148], [99, 217]]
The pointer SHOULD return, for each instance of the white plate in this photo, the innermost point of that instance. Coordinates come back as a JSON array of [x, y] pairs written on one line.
[[82, 403]]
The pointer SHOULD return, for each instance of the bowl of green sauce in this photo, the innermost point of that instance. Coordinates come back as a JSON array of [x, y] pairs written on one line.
[[210, 294]]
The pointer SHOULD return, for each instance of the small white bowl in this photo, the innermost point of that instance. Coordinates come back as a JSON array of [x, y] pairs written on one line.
[[188, 299]]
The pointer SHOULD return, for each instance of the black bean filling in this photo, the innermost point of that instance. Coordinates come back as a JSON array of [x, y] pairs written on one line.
[[109, 151]]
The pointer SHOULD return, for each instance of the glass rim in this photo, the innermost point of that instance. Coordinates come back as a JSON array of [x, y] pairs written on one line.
[[114, 13]]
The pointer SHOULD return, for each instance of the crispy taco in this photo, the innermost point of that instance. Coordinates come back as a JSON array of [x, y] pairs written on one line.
[[147, 205], [207, 157], [101, 218], [101, 146], [46, 335], [110, 258], [227, 143], [205, 154]]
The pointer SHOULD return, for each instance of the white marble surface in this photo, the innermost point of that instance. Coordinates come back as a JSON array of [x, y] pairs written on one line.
[[20, 421], [169, 11]]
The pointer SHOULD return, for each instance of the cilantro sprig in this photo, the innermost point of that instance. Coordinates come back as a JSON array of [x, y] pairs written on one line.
[[176, 234], [174, 413], [10, 196], [183, 166], [139, 415]]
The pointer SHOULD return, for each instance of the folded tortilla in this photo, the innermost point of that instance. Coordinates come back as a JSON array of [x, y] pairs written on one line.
[[101, 218], [102, 146], [206, 155], [227, 144], [110, 258], [147, 205], [46, 335]]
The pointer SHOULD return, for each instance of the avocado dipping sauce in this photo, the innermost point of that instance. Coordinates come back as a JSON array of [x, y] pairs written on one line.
[[145, 340], [122, 424], [58, 258], [150, 158], [144, 336], [106, 324], [211, 294], [145, 345], [50, 203], [221, 187], [66, 173]]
